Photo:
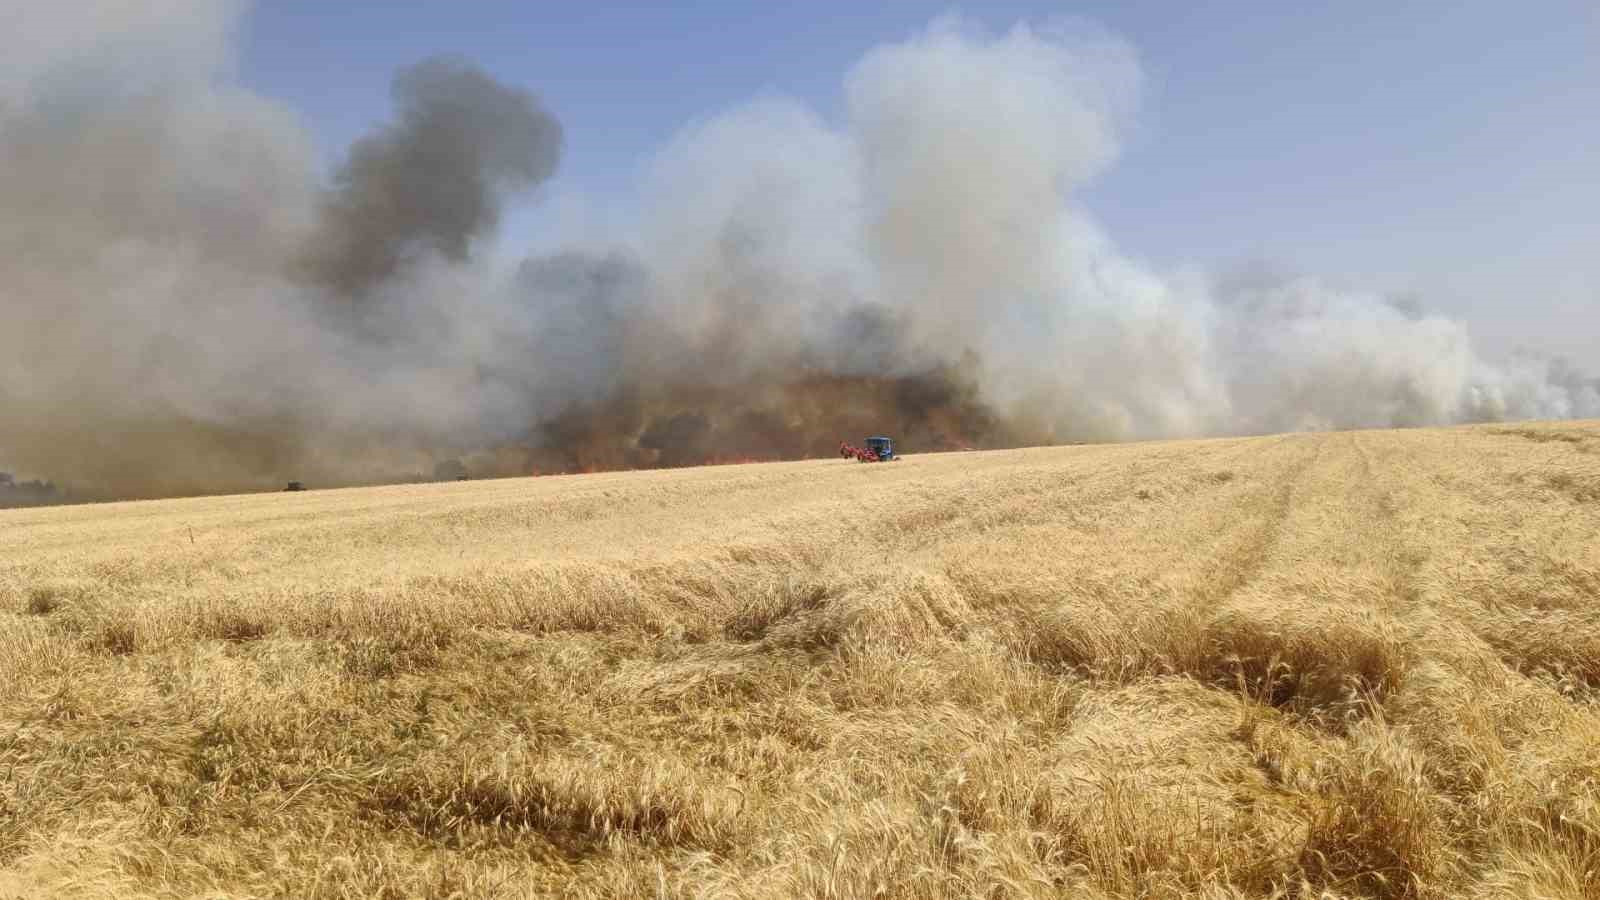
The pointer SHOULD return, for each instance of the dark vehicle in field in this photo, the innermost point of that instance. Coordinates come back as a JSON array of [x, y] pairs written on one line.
[[877, 449]]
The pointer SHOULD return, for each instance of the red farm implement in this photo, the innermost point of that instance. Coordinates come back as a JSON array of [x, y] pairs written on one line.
[[877, 449]]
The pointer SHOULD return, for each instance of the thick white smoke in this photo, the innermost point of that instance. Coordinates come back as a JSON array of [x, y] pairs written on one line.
[[949, 196], [185, 307]]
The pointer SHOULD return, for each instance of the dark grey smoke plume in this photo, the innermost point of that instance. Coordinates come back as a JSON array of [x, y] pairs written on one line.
[[175, 283], [186, 307], [434, 181]]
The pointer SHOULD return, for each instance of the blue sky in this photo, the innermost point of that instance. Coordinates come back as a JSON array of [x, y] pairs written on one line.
[[1451, 149]]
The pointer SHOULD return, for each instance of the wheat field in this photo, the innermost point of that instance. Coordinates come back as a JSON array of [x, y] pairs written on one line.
[[1356, 664]]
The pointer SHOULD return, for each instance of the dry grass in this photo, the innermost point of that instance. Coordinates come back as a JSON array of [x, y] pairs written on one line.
[[1335, 666]]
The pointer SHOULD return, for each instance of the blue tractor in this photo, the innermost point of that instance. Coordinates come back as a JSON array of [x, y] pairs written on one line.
[[878, 449]]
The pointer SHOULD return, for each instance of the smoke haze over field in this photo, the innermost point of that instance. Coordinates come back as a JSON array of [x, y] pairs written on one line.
[[188, 307]]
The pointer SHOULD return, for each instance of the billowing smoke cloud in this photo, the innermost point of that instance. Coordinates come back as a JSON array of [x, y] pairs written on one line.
[[432, 183], [188, 307]]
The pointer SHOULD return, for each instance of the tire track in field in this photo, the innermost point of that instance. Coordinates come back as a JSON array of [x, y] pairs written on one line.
[[1247, 560], [1350, 519], [1402, 561]]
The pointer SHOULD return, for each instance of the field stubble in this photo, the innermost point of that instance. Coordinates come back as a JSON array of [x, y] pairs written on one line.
[[1334, 665]]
